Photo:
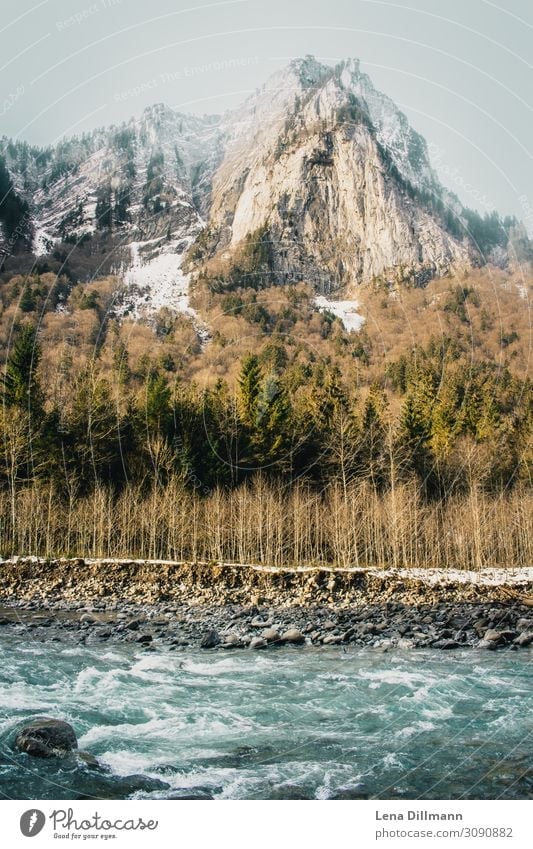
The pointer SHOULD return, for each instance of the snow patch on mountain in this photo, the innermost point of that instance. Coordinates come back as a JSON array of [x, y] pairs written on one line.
[[157, 282], [345, 310], [42, 242]]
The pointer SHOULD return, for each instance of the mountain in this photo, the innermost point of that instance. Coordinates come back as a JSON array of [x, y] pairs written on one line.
[[317, 177], [338, 181], [122, 196]]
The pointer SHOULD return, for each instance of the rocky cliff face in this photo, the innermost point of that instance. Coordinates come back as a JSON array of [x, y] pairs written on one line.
[[335, 179], [317, 167]]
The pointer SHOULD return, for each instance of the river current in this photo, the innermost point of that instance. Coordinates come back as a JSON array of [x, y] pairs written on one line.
[[286, 723]]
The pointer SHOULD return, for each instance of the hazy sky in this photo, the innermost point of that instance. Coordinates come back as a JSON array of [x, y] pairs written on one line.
[[460, 69]]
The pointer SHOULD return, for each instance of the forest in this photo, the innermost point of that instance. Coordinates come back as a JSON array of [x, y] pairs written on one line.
[[295, 454]]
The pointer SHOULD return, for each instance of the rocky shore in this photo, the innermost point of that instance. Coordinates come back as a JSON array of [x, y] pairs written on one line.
[[228, 606]]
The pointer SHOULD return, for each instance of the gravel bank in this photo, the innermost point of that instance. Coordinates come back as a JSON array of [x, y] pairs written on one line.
[[227, 606]]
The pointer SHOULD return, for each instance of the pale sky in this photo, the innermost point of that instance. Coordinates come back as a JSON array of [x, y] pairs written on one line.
[[461, 70]]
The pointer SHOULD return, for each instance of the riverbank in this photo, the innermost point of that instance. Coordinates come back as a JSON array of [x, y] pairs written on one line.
[[229, 606]]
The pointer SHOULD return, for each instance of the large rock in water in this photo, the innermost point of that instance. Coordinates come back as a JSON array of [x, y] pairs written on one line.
[[46, 738]]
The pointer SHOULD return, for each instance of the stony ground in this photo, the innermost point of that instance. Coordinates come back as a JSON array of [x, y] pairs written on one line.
[[228, 606]]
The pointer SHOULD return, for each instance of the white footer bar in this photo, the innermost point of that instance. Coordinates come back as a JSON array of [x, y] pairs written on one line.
[[268, 824]]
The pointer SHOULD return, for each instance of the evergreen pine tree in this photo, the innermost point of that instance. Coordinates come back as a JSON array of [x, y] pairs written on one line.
[[444, 423], [372, 445], [21, 386], [94, 426], [272, 414], [27, 299], [339, 431], [121, 362], [415, 430], [249, 388], [157, 412]]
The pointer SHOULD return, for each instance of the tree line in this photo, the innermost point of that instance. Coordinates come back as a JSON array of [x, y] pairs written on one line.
[[433, 418]]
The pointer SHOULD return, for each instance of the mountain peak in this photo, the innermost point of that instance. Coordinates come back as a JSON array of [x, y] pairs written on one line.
[[160, 108], [308, 71], [347, 69], [321, 163]]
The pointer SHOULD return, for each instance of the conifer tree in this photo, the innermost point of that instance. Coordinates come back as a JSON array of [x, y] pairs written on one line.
[[216, 436], [372, 443], [340, 433], [270, 437], [95, 431], [444, 420], [27, 299], [121, 362], [415, 430], [21, 386], [157, 404], [249, 388]]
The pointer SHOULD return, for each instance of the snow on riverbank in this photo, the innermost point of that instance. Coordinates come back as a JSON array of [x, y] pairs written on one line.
[[490, 576]]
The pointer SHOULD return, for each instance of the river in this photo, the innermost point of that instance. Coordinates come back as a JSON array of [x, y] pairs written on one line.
[[304, 723]]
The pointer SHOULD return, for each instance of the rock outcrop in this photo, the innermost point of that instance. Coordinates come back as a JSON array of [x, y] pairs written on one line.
[[329, 173], [46, 738]]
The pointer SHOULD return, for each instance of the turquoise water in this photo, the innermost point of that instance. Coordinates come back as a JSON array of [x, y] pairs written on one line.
[[285, 723]]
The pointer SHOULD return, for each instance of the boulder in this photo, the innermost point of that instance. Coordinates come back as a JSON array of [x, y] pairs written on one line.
[[524, 639], [487, 644], [109, 786], [191, 794], [46, 738], [88, 619], [480, 626], [258, 643], [492, 636], [210, 640], [331, 639], [88, 760], [445, 644], [292, 635], [231, 641], [270, 635], [134, 624]]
